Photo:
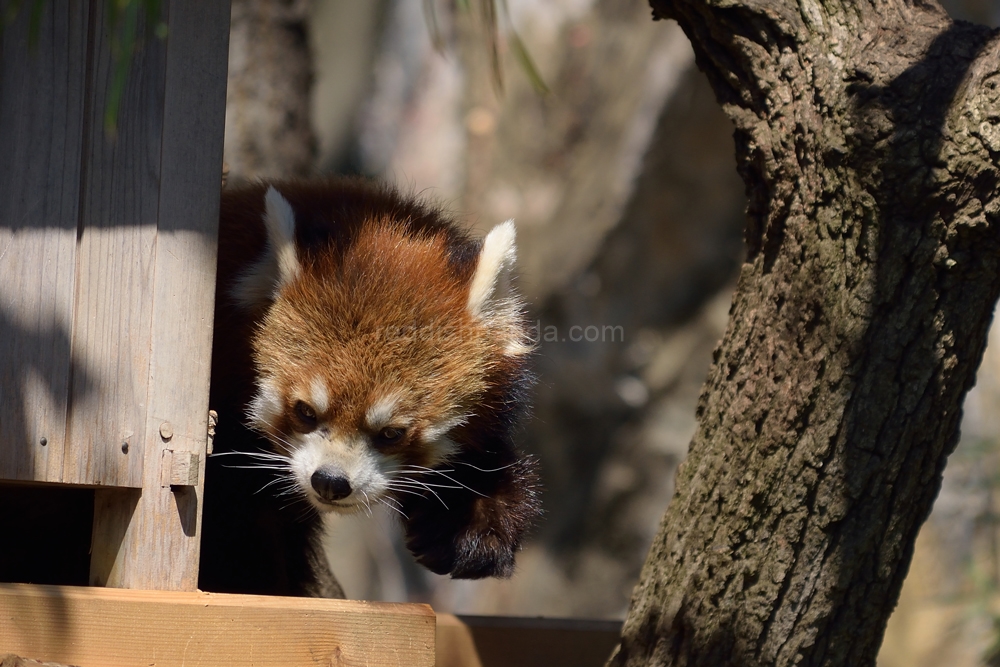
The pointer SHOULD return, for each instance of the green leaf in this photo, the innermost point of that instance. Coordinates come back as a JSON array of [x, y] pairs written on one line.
[[11, 12], [528, 65], [430, 18], [35, 22], [124, 17]]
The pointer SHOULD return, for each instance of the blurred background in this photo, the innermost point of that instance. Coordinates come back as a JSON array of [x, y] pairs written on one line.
[[606, 146]]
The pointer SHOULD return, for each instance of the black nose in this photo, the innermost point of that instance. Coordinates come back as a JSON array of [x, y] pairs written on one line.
[[330, 485]]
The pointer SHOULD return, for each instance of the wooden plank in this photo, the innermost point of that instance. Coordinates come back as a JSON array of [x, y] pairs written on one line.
[[115, 265], [160, 546], [42, 101], [112, 628], [499, 641]]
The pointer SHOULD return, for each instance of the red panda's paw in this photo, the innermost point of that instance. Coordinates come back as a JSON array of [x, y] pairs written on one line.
[[475, 534]]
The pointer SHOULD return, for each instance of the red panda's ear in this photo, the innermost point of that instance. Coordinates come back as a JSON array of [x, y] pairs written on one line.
[[491, 298], [496, 260], [279, 264]]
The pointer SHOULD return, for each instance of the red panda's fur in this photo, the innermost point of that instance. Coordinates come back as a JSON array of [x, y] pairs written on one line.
[[371, 341]]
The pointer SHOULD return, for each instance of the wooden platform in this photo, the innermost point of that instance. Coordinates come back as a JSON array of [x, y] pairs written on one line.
[[104, 627], [107, 627]]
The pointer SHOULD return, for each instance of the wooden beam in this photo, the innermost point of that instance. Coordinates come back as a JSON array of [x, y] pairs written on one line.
[[501, 641], [128, 628]]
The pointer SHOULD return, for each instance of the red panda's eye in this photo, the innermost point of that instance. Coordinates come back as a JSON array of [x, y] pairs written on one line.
[[306, 414], [389, 436]]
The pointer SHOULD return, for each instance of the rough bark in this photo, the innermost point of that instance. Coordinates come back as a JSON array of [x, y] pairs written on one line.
[[867, 135], [267, 104]]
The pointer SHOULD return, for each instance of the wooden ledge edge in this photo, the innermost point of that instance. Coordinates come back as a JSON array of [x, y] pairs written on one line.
[[106, 627], [84, 594]]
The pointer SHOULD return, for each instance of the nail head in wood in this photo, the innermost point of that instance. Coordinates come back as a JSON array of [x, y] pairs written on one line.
[[166, 431]]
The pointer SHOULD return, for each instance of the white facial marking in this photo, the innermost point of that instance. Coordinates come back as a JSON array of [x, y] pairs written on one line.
[[347, 455], [442, 449], [319, 397], [381, 412], [266, 406], [496, 260], [439, 445], [441, 428]]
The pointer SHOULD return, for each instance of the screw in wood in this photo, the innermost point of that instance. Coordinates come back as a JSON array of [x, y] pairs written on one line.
[[44, 441], [166, 431], [124, 448]]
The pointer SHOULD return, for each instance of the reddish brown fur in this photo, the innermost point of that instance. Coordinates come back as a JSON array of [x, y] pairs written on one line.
[[394, 316]]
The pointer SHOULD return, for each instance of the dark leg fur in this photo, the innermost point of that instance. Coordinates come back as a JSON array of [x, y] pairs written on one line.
[[479, 532]]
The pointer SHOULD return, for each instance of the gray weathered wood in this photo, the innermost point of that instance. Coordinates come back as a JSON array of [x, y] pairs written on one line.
[[107, 271], [161, 545], [114, 510], [42, 101], [115, 264]]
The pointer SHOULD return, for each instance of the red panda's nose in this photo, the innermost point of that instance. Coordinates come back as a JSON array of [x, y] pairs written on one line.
[[330, 485]]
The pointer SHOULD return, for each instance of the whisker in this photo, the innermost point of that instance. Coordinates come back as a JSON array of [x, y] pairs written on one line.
[[368, 505], [414, 493], [428, 484], [392, 507], [450, 479], [284, 484], [280, 437], [306, 510], [263, 456], [285, 493], [285, 441], [463, 463], [390, 498], [411, 466], [253, 452], [289, 483], [419, 484]]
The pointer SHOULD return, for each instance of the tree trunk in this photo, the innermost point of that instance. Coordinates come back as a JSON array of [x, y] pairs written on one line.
[[267, 104], [867, 134]]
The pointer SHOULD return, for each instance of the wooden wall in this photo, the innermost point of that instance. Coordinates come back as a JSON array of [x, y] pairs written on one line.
[[107, 270]]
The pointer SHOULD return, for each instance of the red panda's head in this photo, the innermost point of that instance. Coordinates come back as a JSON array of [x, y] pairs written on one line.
[[389, 360]]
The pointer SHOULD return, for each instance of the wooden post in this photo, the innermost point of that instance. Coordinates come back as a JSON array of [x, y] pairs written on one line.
[[107, 270]]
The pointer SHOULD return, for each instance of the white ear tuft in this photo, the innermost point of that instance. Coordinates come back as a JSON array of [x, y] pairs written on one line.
[[279, 265], [280, 222], [496, 260]]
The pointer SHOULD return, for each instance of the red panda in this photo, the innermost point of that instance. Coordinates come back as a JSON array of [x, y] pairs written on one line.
[[379, 356]]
